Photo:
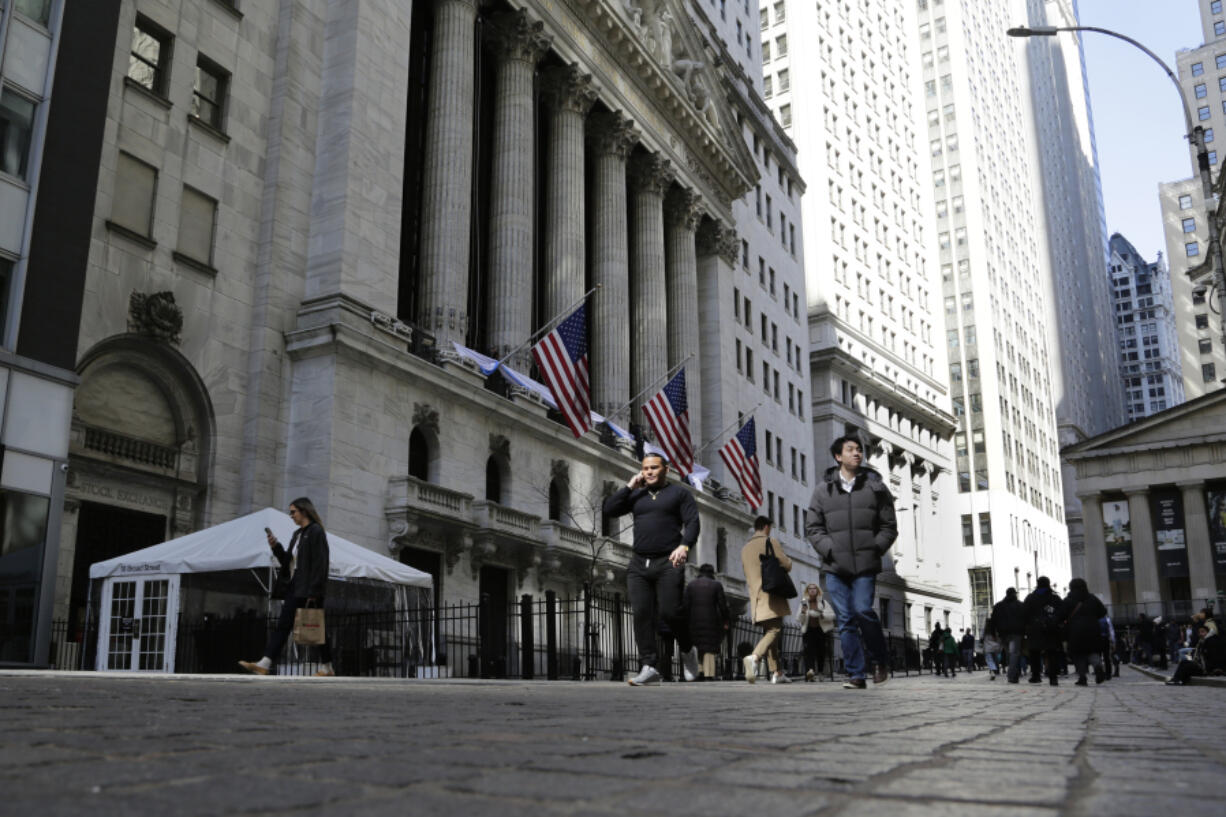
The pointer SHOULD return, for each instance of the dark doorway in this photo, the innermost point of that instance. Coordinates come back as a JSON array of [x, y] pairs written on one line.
[[493, 624], [427, 561], [104, 532]]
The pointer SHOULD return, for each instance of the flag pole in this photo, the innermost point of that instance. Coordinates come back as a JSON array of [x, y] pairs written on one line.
[[548, 325], [666, 376], [724, 430]]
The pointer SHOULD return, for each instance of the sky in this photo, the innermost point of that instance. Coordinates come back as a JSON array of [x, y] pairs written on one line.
[[1138, 120]]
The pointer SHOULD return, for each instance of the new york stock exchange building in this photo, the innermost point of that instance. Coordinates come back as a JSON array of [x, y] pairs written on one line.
[[299, 294]]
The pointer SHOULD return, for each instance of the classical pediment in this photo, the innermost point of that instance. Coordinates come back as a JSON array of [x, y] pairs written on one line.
[[1198, 421]]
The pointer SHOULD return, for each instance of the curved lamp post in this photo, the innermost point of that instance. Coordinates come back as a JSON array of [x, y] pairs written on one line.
[[1196, 135]]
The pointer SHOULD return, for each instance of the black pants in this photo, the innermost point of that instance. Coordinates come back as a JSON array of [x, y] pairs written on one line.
[[814, 641], [1186, 670], [1037, 658], [285, 626], [656, 591]]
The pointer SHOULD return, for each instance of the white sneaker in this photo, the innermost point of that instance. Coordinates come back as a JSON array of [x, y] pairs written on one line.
[[780, 678], [647, 675], [751, 667], [689, 664]]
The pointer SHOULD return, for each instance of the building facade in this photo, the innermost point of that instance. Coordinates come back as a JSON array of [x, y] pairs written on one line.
[[877, 357], [1145, 315], [312, 220]]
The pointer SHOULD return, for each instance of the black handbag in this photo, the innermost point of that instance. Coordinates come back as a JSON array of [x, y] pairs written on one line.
[[775, 580]]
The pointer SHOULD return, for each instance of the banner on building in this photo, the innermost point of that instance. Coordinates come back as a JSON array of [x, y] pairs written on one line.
[[1169, 534], [1117, 534], [1215, 502]]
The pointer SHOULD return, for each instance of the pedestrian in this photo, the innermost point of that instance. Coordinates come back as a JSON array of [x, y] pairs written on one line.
[[766, 609], [991, 650], [949, 649], [1044, 626], [968, 649], [309, 566], [709, 617], [1107, 635], [851, 524], [665, 528], [1144, 639], [812, 637], [1209, 658], [1081, 613], [935, 651], [1009, 618], [1204, 618]]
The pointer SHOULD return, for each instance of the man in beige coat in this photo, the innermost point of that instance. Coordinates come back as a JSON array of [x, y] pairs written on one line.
[[767, 610]]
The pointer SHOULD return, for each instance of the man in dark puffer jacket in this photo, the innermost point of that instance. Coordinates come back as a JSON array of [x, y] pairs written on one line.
[[851, 524]]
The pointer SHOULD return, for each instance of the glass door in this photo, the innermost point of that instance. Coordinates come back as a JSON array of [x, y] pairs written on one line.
[[139, 624]]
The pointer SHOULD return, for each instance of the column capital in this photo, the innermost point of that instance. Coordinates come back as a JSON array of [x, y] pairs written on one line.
[[513, 35], [683, 208], [612, 134], [566, 88], [717, 238], [651, 173]]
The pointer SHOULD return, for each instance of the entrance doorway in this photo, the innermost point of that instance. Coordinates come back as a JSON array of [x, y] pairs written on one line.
[[139, 623], [493, 621], [104, 532]]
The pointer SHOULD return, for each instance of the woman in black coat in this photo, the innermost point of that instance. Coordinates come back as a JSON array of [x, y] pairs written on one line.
[[709, 616], [306, 586], [1081, 613]]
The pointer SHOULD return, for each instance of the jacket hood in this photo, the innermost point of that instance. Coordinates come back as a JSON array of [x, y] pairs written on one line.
[[868, 472]]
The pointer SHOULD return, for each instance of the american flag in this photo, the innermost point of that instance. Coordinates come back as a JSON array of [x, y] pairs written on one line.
[[669, 415], [562, 358], [740, 454]]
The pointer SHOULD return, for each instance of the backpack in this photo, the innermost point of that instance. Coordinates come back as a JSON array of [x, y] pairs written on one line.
[[1049, 619]]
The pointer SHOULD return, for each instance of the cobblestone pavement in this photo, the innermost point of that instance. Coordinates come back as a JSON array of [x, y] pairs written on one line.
[[133, 745]]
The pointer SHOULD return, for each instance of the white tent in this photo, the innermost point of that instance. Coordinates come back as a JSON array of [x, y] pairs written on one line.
[[139, 596]]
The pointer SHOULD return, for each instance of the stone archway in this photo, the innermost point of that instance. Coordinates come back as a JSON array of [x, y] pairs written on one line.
[[140, 449]]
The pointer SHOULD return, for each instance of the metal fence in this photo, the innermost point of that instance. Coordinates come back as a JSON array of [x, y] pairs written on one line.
[[586, 637]]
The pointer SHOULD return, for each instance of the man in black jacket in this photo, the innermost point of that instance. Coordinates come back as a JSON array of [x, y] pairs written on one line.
[[665, 528], [1044, 629], [851, 524], [1009, 619]]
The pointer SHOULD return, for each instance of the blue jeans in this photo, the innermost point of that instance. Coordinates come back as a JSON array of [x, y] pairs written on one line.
[[859, 627]]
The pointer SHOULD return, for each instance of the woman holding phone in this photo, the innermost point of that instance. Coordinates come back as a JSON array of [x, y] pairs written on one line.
[[306, 587]]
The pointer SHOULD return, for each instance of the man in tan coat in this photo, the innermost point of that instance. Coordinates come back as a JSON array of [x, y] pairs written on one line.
[[767, 610]]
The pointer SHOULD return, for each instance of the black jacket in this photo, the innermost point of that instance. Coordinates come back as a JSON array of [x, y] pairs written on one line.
[[1081, 613], [851, 531], [1035, 604], [708, 613], [311, 577], [1009, 617], [663, 519]]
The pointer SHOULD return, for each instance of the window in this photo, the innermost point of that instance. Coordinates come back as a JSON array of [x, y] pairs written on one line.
[[150, 56], [985, 528], [768, 89], [1209, 131], [1219, 28], [1202, 321], [968, 531], [781, 45], [1202, 113], [197, 220], [1198, 68], [209, 93], [135, 185], [1192, 249], [1200, 90], [1213, 157], [36, 10], [781, 12], [1206, 345], [1220, 61], [784, 80], [1189, 225], [764, 18], [16, 123], [1215, 7], [1185, 202], [1208, 373]]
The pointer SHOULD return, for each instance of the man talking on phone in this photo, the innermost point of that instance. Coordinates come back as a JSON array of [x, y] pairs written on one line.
[[665, 528]]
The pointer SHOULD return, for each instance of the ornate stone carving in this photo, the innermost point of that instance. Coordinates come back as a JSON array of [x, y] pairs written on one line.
[[659, 31], [155, 315], [513, 35], [716, 238], [651, 173], [683, 208], [568, 88], [610, 133], [426, 416], [633, 12]]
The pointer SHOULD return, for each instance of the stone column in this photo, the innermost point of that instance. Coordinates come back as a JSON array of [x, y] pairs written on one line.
[[1200, 546], [518, 43], [650, 176], [1144, 557], [569, 95], [681, 272], [611, 138], [447, 177], [718, 249], [1097, 569]]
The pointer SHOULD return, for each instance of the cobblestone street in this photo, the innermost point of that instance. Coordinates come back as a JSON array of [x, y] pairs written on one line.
[[94, 744]]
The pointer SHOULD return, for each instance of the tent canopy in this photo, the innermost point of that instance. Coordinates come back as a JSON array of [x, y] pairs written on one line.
[[240, 544]]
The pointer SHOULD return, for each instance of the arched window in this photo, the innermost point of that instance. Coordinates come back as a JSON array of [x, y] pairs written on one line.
[[493, 480], [419, 455]]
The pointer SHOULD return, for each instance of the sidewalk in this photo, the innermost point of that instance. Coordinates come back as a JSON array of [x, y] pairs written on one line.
[[84, 743]]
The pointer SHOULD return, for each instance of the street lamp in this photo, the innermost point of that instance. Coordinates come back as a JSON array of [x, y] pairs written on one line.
[[1196, 135]]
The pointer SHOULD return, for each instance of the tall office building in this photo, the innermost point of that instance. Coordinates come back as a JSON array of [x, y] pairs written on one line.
[[1202, 74], [846, 93], [1142, 290], [998, 285]]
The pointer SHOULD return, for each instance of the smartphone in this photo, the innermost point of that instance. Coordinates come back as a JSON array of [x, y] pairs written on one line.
[[268, 531]]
